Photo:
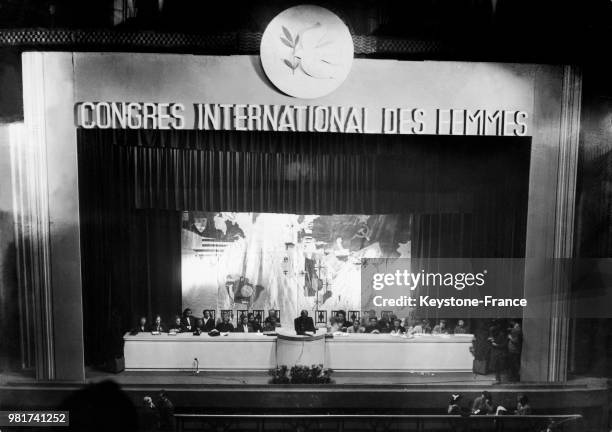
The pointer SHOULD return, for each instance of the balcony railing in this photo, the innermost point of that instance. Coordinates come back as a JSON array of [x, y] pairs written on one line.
[[378, 422]]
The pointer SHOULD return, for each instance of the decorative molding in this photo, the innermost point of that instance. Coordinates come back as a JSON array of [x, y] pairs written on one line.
[[564, 222], [25, 301], [227, 43], [29, 165]]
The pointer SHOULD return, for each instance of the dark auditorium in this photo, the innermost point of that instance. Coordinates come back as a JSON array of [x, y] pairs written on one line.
[[271, 215]]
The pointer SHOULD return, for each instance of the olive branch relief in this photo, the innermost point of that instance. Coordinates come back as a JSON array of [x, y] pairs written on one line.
[[292, 42]]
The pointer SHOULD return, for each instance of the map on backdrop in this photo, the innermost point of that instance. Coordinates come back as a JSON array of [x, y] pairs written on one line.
[[262, 261]]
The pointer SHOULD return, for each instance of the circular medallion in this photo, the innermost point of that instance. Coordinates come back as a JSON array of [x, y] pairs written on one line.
[[306, 51]]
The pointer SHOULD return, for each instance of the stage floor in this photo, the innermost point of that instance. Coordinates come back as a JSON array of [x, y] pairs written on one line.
[[262, 378]]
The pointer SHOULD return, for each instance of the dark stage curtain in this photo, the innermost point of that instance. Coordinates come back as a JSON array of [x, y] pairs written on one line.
[[315, 173], [467, 195], [131, 261]]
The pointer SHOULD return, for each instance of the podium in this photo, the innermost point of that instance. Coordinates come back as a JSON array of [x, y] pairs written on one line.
[[303, 350]]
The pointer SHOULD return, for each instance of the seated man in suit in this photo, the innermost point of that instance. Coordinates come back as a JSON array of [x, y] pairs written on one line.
[[157, 326], [225, 326], [176, 327], [244, 326], [253, 323], [304, 323], [208, 323], [188, 321]]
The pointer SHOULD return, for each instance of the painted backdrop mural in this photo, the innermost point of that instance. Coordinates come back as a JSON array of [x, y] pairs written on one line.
[[289, 262]]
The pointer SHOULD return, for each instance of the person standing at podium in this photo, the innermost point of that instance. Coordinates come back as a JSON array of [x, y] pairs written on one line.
[[304, 323]]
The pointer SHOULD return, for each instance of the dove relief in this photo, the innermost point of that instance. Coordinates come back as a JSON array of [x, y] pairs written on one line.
[[313, 52]]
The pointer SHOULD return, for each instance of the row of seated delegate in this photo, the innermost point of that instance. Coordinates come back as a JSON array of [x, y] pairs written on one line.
[[249, 323]]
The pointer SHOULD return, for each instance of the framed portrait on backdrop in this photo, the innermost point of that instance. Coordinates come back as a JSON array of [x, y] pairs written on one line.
[[277, 313], [321, 317], [241, 313], [353, 315], [230, 313], [258, 315]]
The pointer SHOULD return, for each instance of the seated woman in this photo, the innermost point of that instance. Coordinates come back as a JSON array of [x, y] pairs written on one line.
[[356, 327], [254, 324], [334, 325], [341, 321], [270, 325], [157, 326], [440, 328], [417, 327], [385, 324], [409, 325], [199, 327], [426, 326], [397, 328], [372, 326], [176, 327], [225, 326]]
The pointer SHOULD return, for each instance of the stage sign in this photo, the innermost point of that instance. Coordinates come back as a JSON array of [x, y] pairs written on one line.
[[404, 120]]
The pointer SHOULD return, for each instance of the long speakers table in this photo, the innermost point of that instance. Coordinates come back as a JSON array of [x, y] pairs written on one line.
[[255, 351]]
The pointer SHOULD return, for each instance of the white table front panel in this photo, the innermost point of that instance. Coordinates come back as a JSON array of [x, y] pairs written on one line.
[[236, 351], [385, 352]]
